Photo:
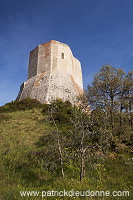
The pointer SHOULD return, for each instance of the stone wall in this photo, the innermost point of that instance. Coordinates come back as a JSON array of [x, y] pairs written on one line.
[[44, 58], [33, 63]]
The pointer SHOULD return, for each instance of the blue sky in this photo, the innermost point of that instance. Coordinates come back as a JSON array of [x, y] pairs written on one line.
[[97, 31]]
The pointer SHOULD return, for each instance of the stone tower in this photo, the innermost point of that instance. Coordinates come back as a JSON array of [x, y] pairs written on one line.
[[53, 73]]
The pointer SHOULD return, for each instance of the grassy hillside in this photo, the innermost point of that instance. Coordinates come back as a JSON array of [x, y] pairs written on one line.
[[26, 164]]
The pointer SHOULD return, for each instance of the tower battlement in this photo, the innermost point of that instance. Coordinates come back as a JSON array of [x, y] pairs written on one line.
[[53, 73]]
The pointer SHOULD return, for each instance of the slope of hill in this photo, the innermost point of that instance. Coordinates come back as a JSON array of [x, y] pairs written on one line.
[[29, 162]]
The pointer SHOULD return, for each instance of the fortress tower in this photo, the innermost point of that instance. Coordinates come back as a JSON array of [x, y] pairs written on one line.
[[53, 73]]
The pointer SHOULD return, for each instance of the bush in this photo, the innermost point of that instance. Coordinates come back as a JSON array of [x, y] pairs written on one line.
[[61, 117], [61, 111], [23, 104]]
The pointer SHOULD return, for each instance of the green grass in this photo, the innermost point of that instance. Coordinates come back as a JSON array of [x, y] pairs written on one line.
[[22, 163]]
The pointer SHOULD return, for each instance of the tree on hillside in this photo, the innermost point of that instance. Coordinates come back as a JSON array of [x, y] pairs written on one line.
[[111, 90], [88, 136], [58, 115], [57, 135], [127, 97], [112, 93], [77, 135], [82, 137]]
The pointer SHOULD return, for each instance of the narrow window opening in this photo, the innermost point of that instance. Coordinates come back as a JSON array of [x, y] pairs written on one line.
[[62, 55]]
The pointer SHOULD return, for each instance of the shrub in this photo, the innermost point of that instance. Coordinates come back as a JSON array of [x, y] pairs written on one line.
[[23, 104], [61, 111]]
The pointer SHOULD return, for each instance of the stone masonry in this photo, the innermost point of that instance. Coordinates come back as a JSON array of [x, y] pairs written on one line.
[[53, 73]]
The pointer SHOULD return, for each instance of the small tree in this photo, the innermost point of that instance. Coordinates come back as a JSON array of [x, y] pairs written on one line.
[[112, 93], [89, 136], [51, 112], [127, 97], [105, 89], [81, 143], [58, 142], [58, 114]]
